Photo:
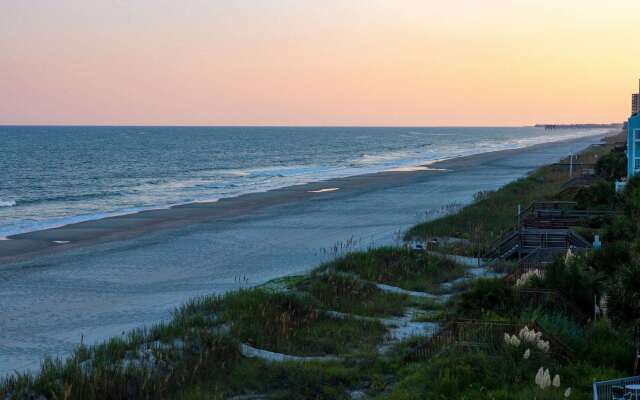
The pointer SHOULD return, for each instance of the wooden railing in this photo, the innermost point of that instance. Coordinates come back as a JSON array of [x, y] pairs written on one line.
[[549, 215], [636, 339], [527, 240]]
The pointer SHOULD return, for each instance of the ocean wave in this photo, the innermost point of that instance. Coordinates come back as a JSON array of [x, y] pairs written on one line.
[[555, 137], [68, 197], [7, 203], [381, 158], [212, 183]]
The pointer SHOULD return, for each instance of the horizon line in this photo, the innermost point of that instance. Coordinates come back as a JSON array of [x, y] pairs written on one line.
[[295, 125]]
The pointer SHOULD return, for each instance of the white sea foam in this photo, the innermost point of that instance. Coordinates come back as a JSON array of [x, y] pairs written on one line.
[[214, 184], [414, 168], [333, 189], [372, 159]]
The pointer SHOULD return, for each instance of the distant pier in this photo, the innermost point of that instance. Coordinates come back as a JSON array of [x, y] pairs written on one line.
[[578, 126]]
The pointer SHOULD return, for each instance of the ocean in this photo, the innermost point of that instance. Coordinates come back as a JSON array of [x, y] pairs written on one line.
[[95, 291], [53, 176]]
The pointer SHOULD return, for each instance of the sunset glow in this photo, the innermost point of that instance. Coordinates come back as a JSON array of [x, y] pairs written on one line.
[[331, 62]]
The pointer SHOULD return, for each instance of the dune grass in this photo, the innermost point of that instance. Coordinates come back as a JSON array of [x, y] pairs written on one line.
[[293, 324], [398, 266], [196, 354], [349, 294], [288, 380], [127, 369]]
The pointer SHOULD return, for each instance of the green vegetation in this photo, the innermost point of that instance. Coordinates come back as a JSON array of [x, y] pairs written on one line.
[[292, 324], [613, 165], [480, 373], [492, 213], [348, 294], [338, 310], [399, 266], [485, 220], [600, 194]]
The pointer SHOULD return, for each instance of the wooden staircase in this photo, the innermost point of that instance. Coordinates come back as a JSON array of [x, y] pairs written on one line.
[[525, 241], [543, 225]]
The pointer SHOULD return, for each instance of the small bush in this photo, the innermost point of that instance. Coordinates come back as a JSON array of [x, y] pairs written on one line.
[[600, 194], [610, 258], [624, 295], [560, 326], [575, 280], [612, 165], [484, 296], [608, 348]]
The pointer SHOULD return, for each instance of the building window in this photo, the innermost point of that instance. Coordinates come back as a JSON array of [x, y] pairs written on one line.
[[636, 134], [637, 164]]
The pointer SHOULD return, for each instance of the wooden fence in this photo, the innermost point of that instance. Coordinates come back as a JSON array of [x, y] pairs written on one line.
[[478, 332]]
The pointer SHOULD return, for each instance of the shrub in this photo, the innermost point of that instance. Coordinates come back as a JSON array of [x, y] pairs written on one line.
[[484, 296], [575, 279], [600, 194], [610, 258], [580, 375], [612, 165], [624, 295], [475, 374], [608, 348], [558, 325]]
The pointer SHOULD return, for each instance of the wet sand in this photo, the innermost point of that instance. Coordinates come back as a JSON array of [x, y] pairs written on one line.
[[32, 244], [127, 271]]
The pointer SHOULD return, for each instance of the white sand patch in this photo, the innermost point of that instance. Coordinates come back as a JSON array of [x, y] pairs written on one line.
[[414, 169], [400, 328], [463, 260], [404, 327], [269, 356], [394, 289], [333, 189], [481, 272]]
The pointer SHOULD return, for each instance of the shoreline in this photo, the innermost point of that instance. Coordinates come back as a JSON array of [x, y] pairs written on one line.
[[78, 235], [400, 309], [99, 291]]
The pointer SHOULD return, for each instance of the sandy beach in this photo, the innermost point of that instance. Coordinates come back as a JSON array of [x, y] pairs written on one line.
[[26, 246], [98, 278]]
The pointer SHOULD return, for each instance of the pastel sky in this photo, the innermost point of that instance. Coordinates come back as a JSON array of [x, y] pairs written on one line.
[[321, 62]]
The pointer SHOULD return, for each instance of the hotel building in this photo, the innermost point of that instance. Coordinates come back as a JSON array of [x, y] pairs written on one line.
[[633, 137]]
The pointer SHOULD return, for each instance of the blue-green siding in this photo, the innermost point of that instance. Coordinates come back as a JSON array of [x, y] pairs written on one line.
[[633, 147]]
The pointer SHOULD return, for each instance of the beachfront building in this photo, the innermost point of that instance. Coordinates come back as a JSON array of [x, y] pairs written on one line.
[[635, 101], [633, 136], [633, 145]]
